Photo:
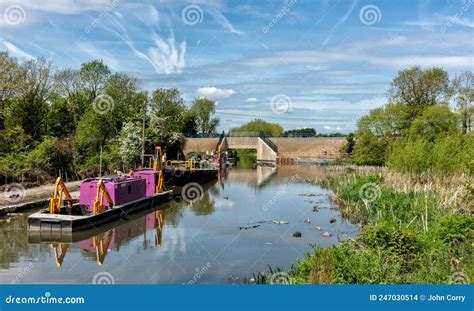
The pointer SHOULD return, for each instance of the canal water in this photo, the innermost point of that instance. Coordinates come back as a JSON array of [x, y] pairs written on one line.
[[236, 227]]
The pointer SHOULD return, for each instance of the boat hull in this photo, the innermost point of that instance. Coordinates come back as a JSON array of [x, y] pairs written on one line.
[[45, 222]]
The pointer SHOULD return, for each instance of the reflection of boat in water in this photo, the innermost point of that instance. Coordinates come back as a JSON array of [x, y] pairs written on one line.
[[98, 242]]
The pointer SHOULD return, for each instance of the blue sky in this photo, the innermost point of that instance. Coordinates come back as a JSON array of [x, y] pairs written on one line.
[[318, 64]]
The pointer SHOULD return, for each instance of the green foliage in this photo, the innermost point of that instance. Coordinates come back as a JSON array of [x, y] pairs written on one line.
[[302, 132], [50, 156], [203, 109], [60, 120], [130, 142], [420, 87], [393, 250], [258, 127]]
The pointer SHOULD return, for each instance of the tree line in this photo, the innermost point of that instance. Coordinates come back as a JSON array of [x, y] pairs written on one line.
[[70, 121], [417, 131]]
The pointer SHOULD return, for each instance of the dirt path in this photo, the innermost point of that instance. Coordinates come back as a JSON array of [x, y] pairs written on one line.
[[17, 195]]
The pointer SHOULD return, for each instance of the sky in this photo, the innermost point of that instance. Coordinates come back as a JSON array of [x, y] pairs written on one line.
[[320, 64]]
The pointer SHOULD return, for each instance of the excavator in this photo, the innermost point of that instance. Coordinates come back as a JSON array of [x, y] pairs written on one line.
[[156, 162], [55, 203], [100, 195]]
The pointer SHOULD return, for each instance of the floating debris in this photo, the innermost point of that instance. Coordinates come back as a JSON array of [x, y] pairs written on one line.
[[326, 234], [332, 220], [308, 194], [249, 227], [268, 243], [226, 198], [316, 208], [279, 222], [314, 228], [308, 221], [297, 234]]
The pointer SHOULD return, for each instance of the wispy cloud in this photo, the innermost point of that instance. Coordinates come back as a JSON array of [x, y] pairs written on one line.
[[166, 55], [16, 51]]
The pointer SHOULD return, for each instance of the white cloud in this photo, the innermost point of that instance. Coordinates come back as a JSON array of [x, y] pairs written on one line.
[[310, 57], [166, 56], [16, 51], [214, 93], [332, 128], [251, 100]]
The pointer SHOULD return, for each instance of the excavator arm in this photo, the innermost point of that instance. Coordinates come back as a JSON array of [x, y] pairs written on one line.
[[100, 195], [55, 202], [158, 167]]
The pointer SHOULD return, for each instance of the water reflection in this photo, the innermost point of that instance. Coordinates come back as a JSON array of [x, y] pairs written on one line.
[[179, 236], [99, 245]]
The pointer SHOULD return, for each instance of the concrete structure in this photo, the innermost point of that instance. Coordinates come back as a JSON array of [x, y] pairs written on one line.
[[282, 150]]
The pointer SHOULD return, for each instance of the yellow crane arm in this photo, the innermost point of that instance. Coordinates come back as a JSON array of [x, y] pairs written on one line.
[[158, 161], [100, 194], [55, 202]]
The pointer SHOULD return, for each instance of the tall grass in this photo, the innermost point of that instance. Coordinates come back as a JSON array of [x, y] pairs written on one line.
[[416, 229]]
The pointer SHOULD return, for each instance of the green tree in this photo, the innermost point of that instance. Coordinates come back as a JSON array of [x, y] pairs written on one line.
[[130, 142], [168, 105], [420, 87], [94, 76], [301, 132], [204, 108], [51, 156], [60, 120], [30, 107], [258, 127], [434, 121], [463, 89]]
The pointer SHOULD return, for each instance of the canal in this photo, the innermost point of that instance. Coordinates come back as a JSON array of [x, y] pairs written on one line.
[[237, 226]]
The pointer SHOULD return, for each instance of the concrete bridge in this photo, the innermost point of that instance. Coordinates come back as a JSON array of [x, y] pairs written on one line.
[[275, 148]]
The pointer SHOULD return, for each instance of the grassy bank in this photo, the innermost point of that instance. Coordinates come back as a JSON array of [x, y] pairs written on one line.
[[421, 235]]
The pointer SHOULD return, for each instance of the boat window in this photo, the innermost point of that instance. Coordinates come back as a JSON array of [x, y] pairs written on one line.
[[129, 189]]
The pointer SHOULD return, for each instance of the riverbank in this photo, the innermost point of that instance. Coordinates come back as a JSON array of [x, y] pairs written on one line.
[[414, 230], [16, 198]]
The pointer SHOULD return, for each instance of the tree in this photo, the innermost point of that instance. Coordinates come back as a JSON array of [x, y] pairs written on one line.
[[417, 87], [68, 84], [435, 121], [50, 156], [29, 108], [302, 132], [258, 127], [127, 100], [94, 76], [10, 83], [463, 89], [130, 142], [60, 120], [168, 105], [204, 108]]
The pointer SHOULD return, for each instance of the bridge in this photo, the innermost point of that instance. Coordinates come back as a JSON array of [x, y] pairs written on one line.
[[275, 149]]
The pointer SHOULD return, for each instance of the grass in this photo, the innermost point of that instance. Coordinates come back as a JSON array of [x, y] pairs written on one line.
[[414, 230]]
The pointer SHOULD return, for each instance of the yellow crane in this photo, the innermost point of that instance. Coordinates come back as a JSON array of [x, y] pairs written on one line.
[[55, 203], [101, 194]]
